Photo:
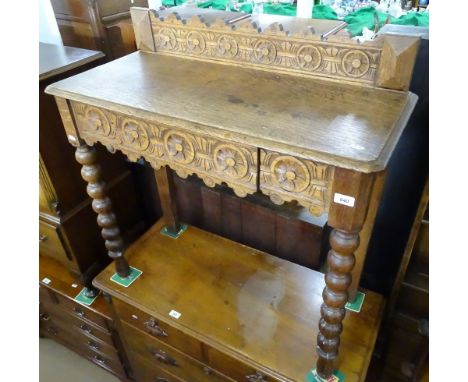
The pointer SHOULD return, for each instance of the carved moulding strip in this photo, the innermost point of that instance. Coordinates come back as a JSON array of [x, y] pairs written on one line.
[[269, 49], [285, 178], [186, 153]]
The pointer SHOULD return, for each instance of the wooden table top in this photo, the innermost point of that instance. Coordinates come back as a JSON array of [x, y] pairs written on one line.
[[349, 126], [250, 304], [57, 59]]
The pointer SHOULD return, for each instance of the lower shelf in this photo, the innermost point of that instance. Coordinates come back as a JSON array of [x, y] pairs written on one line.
[[245, 304]]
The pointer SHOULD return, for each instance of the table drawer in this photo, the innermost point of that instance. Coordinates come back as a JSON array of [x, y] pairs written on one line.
[[167, 358], [52, 245], [235, 369], [85, 327], [146, 372], [82, 312], [159, 329]]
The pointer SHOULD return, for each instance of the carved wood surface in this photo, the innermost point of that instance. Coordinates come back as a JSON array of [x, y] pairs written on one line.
[[272, 48], [285, 178], [186, 153]]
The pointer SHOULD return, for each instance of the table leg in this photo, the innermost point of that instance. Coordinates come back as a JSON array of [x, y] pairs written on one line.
[[347, 221], [166, 191], [102, 205]]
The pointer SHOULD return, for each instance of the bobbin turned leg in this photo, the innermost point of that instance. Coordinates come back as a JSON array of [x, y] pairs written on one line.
[[346, 221], [166, 192], [102, 205]]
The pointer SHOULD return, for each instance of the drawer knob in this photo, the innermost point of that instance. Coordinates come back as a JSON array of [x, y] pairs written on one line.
[[152, 326], [100, 360], [79, 312], [86, 328], [163, 357], [257, 377], [52, 331], [44, 317], [42, 238], [207, 370], [93, 345]]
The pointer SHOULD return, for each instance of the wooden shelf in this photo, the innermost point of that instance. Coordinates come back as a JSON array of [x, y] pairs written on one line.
[[247, 303]]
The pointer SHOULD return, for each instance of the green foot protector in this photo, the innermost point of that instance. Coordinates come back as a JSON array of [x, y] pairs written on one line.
[[166, 232], [356, 305], [312, 376], [127, 281], [83, 299]]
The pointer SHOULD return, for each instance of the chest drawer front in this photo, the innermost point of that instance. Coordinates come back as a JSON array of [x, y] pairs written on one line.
[[51, 244], [213, 160], [46, 296], [146, 372], [159, 329], [236, 369], [285, 178], [82, 312], [168, 358]]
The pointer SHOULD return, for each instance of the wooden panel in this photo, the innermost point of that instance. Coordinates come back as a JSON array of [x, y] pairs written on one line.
[[212, 215], [171, 336], [51, 244], [258, 227], [168, 358], [258, 309], [352, 129]]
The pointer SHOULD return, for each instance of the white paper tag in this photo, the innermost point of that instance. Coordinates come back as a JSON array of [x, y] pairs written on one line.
[[47, 281], [134, 316], [175, 314], [344, 199], [74, 285]]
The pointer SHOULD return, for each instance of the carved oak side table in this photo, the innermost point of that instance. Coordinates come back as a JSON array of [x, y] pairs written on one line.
[[292, 108]]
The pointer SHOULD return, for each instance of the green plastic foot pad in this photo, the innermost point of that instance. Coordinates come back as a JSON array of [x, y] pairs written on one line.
[[312, 376], [127, 281], [183, 228], [356, 305], [83, 299]]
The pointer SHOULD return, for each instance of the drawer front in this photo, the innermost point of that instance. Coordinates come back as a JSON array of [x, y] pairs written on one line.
[[51, 244], [146, 372], [168, 358], [82, 312], [158, 329], [46, 296], [285, 178], [85, 327], [213, 160], [236, 369]]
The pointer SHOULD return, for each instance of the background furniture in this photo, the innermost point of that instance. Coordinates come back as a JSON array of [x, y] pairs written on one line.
[[87, 330], [67, 224], [328, 160], [103, 25]]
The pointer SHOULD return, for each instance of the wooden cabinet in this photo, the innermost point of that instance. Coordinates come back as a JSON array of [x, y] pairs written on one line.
[[87, 330], [103, 25], [68, 231]]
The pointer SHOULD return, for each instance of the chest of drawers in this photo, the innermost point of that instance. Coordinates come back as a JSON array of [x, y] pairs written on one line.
[[87, 330]]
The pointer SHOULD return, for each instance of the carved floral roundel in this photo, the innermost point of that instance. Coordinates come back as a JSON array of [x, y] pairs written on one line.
[[227, 46], [231, 161], [356, 63], [265, 51], [309, 57], [97, 121], [167, 38], [290, 173], [135, 134], [179, 147], [196, 42]]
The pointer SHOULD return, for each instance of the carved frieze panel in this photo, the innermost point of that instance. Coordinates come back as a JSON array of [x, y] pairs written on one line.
[[246, 45], [285, 178], [186, 153]]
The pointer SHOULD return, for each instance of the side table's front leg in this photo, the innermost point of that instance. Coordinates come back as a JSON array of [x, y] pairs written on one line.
[[102, 205], [347, 218]]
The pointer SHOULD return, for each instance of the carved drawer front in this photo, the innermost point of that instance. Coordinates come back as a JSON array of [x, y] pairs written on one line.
[[187, 153], [235, 369], [146, 372], [285, 178], [158, 329], [81, 312], [168, 358], [51, 244]]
